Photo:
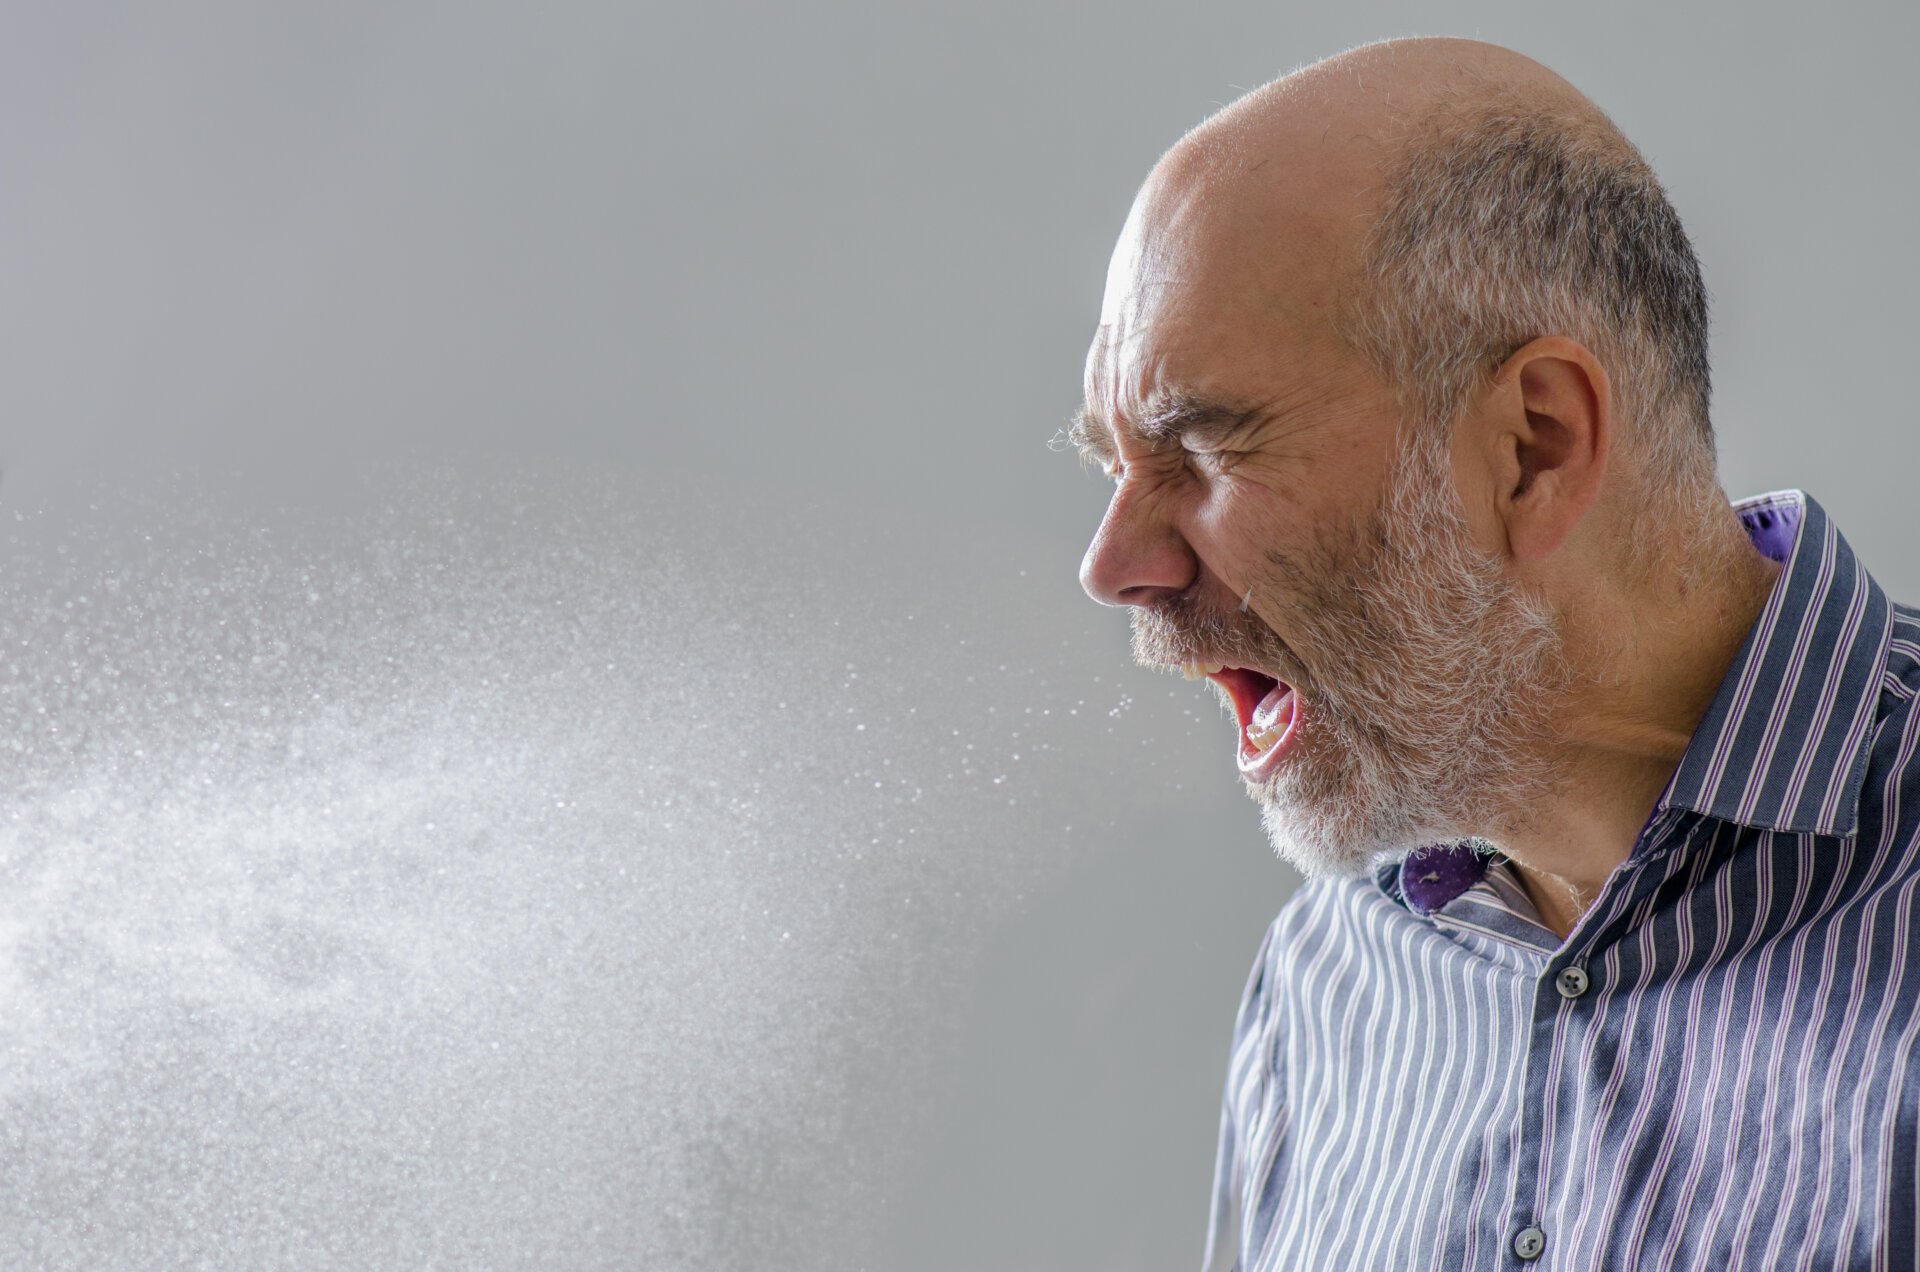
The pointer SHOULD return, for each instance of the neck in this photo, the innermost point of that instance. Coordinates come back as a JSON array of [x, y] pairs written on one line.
[[1656, 652]]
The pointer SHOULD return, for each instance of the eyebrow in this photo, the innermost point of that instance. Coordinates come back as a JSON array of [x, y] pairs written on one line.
[[1171, 418]]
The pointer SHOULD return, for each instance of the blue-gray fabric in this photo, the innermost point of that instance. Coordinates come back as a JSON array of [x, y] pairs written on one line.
[[1417, 1078]]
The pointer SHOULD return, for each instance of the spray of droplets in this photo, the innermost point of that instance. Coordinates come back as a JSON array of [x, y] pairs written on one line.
[[506, 874]]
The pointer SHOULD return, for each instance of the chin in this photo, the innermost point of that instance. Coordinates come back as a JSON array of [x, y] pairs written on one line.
[[1324, 843], [1343, 811], [1325, 820]]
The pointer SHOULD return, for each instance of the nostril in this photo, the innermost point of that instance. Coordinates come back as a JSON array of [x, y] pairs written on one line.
[[1147, 577]]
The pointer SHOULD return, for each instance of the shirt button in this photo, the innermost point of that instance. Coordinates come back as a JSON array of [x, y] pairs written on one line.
[[1529, 1242], [1571, 982]]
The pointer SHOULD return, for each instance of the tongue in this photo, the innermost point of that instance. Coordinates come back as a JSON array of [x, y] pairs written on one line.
[[1275, 710]]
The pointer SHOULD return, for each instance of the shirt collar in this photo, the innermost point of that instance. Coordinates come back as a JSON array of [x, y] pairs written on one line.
[[1784, 744]]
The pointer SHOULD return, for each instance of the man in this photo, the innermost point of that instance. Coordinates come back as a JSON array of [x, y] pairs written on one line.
[[1605, 791]]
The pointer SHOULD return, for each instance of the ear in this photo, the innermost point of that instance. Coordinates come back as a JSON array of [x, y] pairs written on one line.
[[1550, 415]]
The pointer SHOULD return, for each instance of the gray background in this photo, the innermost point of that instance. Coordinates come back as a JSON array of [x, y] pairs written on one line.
[[551, 719]]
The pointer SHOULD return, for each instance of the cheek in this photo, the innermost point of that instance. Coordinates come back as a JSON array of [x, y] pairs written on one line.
[[1256, 513], [1239, 528]]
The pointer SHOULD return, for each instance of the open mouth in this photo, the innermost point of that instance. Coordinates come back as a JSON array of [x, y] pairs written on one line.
[[1267, 710]]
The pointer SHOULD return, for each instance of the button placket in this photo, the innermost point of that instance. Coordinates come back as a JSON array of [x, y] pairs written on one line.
[[1570, 983]]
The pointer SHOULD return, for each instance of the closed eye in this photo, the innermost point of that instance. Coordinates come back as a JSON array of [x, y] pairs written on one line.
[[1214, 459], [1189, 428]]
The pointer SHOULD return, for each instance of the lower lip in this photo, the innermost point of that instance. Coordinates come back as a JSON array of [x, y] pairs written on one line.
[[1258, 765]]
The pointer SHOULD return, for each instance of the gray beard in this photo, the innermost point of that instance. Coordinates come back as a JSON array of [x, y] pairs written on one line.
[[1427, 715]]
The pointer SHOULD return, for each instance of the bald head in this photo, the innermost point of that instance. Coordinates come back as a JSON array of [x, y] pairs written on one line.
[[1381, 93], [1286, 180], [1427, 205]]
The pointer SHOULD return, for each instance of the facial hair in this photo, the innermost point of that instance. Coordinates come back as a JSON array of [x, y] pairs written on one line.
[[1425, 678]]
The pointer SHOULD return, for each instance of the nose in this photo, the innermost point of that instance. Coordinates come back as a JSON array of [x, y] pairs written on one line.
[[1136, 557]]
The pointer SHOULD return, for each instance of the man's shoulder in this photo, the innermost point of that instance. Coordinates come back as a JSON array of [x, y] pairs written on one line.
[[1315, 902], [1323, 912], [1891, 788], [1901, 681], [1899, 688]]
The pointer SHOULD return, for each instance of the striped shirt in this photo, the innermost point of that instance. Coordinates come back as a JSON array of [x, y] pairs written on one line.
[[1716, 1069]]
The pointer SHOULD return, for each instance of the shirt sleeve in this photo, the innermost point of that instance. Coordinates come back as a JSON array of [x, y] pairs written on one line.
[[1229, 1165]]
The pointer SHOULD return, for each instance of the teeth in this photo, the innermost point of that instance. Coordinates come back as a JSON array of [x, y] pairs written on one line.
[[1263, 738], [1196, 670]]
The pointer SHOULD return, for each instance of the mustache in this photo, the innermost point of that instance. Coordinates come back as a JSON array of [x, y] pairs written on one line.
[[1182, 629]]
